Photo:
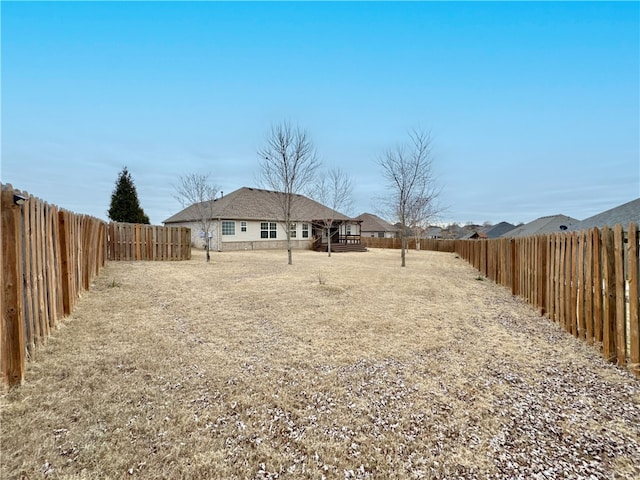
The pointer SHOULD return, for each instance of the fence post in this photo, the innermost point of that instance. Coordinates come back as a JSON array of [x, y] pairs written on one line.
[[65, 267], [634, 287], [573, 297], [580, 287], [597, 285], [514, 281], [621, 323], [550, 275], [588, 287], [609, 307], [12, 334]]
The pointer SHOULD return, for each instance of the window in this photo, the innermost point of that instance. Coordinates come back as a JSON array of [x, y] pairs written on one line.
[[305, 230], [228, 227], [380, 234], [243, 226], [348, 229], [293, 230], [268, 230]]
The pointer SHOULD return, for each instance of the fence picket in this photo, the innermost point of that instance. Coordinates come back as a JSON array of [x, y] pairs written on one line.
[[576, 279], [609, 304], [634, 298], [28, 250], [48, 257], [620, 320], [588, 287], [148, 242], [12, 331]]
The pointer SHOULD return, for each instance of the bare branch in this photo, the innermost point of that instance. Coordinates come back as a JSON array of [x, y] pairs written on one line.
[[288, 164], [195, 191], [334, 190], [409, 174]]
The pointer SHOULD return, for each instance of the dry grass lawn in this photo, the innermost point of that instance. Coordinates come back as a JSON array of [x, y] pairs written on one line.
[[341, 367]]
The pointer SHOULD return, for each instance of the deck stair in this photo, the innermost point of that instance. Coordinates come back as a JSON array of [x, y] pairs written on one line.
[[341, 247]]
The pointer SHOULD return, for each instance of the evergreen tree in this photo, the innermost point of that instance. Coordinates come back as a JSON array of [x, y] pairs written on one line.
[[125, 206]]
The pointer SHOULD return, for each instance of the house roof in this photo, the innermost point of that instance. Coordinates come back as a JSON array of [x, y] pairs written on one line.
[[499, 229], [474, 234], [433, 231], [256, 204], [373, 223], [623, 214], [550, 224]]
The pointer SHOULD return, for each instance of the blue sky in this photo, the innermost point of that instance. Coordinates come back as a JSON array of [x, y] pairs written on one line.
[[533, 108]]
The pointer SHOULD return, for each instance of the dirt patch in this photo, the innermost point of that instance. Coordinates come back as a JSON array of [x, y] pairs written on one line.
[[341, 367]]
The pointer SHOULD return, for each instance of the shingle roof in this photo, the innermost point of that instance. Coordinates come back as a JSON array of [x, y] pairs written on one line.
[[373, 223], [498, 230], [624, 214], [433, 231], [553, 223], [257, 204], [474, 234]]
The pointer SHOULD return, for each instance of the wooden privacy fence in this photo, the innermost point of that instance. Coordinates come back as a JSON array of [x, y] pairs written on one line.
[[132, 241], [586, 281], [425, 244], [49, 256]]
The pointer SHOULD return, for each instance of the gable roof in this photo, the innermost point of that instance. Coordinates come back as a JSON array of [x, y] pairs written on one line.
[[257, 204], [474, 234], [498, 230], [373, 223], [433, 231], [623, 214], [553, 223]]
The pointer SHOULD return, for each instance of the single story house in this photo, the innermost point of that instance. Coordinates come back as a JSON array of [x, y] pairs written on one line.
[[374, 226], [253, 218], [433, 232], [549, 224]]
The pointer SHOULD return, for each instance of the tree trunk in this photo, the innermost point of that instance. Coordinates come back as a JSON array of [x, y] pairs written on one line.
[[403, 241], [289, 253]]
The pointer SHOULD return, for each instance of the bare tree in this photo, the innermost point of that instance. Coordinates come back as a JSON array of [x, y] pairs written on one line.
[[196, 191], [422, 208], [288, 164], [335, 191], [408, 171]]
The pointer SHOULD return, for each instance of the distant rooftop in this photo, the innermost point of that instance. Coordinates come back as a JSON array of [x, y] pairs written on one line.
[[550, 224], [623, 214]]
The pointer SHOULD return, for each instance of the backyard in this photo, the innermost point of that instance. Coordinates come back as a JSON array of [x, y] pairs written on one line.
[[340, 367]]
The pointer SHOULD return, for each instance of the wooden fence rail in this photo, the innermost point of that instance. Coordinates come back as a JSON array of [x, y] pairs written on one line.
[[129, 241], [48, 256], [586, 281]]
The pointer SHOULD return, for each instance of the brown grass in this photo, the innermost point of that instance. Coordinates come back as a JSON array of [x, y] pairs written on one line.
[[341, 367]]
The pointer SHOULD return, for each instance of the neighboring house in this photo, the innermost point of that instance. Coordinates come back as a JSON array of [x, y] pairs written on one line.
[[498, 230], [475, 235], [550, 224], [453, 232], [252, 218], [433, 232], [623, 214], [374, 226]]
